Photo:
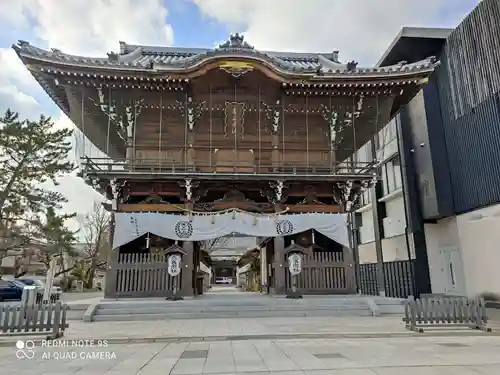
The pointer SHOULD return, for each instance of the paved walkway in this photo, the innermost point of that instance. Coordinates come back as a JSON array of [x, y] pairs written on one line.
[[82, 296], [232, 328], [390, 356]]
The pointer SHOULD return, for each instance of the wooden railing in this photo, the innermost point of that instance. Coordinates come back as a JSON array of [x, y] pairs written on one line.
[[105, 165], [144, 275], [37, 319], [322, 273], [445, 312]]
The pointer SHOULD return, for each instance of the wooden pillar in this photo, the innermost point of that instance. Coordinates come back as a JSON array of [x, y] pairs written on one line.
[[378, 225], [112, 262], [111, 274], [275, 153], [191, 153], [279, 260], [263, 268], [349, 267], [187, 288]]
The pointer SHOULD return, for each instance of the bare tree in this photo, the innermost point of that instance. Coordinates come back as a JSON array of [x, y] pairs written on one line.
[[95, 229], [208, 245]]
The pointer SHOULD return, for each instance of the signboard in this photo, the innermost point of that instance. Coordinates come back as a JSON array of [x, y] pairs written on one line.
[[49, 282], [234, 119], [174, 264], [295, 263]]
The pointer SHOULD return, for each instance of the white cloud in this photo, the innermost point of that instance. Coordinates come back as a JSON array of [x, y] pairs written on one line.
[[82, 27], [360, 29], [17, 86], [92, 27]]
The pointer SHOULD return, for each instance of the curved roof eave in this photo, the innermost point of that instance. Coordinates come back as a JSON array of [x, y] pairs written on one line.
[[26, 51]]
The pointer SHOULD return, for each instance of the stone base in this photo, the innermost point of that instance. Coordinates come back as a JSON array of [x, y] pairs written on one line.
[[174, 298], [293, 295]]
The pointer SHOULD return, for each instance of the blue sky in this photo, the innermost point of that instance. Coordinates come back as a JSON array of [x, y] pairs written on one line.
[[208, 31], [360, 29], [205, 23]]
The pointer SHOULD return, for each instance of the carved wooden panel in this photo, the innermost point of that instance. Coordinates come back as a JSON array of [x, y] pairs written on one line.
[[155, 157], [234, 160]]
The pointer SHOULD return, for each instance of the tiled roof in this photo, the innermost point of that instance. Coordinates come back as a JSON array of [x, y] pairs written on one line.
[[138, 57]]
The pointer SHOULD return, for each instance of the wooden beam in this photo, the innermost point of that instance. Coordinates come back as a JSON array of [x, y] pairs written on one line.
[[148, 207], [323, 208]]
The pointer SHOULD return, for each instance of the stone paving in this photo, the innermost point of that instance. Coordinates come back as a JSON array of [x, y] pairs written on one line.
[[363, 356], [231, 327]]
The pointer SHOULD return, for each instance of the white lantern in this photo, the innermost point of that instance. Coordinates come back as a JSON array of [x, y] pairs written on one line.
[[174, 264], [295, 263]]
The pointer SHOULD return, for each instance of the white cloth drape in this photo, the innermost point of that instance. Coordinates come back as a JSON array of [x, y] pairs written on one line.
[[129, 226]]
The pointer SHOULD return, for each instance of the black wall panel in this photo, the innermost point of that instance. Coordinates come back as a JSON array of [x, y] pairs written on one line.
[[468, 81]]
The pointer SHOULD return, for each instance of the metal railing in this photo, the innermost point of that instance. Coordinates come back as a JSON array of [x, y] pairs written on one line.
[[397, 276], [139, 165]]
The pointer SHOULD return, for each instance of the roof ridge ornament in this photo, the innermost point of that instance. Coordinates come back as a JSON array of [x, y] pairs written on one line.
[[23, 43], [236, 41], [56, 52], [351, 66], [113, 57]]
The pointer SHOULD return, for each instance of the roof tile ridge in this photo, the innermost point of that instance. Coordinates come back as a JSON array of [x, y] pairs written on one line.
[[331, 66], [404, 66], [130, 56]]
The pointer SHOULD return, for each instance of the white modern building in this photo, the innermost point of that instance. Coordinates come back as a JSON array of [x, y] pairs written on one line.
[[438, 202]]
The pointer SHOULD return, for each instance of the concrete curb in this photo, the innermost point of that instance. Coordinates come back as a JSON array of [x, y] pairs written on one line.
[[89, 313], [305, 336], [372, 305]]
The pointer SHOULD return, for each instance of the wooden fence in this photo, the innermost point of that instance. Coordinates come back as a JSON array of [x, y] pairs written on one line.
[[322, 273], [397, 276], [144, 275], [445, 312], [38, 319]]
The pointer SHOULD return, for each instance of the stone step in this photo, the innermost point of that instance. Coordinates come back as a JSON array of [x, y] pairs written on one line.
[[234, 314], [243, 306], [102, 310], [176, 305], [241, 303]]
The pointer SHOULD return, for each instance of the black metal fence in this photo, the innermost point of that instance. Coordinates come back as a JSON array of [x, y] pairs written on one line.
[[397, 275]]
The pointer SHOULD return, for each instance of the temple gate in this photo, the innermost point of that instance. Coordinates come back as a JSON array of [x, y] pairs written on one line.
[[260, 141]]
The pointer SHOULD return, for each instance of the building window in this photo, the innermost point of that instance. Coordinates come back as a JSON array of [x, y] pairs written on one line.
[[386, 134], [364, 154], [365, 198], [398, 180], [391, 175]]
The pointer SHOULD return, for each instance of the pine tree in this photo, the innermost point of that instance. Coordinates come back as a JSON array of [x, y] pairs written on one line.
[[57, 241], [31, 153]]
